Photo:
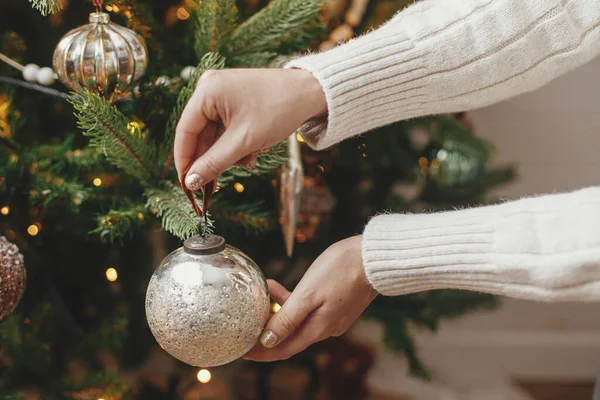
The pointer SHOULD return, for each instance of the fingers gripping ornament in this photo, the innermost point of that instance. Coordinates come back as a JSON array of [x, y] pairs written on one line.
[[102, 57], [207, 302]]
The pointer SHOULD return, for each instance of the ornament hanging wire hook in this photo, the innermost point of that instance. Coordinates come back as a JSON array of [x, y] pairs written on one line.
[[202, 224], [98, 4]]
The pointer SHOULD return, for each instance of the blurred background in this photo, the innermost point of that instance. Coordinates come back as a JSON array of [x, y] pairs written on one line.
[[91, 236]]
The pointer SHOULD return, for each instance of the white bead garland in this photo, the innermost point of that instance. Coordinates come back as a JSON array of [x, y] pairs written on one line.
[[45, 76], [30, 72], [187, 72]]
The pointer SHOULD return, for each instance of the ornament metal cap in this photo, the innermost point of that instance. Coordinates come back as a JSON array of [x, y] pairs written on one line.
[[204, 245], [99, 18]]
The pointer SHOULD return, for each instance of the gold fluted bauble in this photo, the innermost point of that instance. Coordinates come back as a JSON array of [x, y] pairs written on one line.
[[102, 57]]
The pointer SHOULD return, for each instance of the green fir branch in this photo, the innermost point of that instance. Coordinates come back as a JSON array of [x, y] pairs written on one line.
[[251, 217], [107, 128], [302, 37], [271, 27], [209, 61], [47, 6], [12, 396], [265, 163], [50, 190], [215, 21], [61, 156], [253, 60], [175, 211], [120, 224]]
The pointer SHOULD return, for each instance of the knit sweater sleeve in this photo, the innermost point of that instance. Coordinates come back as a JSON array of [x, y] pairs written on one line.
[[443, 56], [545, 248]]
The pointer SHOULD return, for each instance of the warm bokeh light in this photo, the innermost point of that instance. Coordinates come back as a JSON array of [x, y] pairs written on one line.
[[204, 376], [238, 187], [140, 216], [111, 274], [435, 163], [133, 127], [423, 161], [183, 13], [33, 230], [97, 182], [276, 307], [299, 138], [5, 210]]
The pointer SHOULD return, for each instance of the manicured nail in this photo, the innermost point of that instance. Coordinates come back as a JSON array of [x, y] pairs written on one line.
[[193, 181], [268, 339]]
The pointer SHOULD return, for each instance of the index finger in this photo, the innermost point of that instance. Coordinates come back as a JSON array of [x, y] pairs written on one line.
[[188, 133]]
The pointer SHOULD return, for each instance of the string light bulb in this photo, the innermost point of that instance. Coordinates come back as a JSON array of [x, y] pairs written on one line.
[[238, 187], [111, 274], [276, 307], [183, 13], [204, 376], [299, 138], [97, 182], [5, 210], [33, 230]]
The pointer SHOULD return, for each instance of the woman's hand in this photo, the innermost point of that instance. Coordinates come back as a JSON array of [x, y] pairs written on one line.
[[333, 293], [237, 112]]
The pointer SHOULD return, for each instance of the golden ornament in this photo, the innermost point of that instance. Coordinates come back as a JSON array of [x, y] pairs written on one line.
[[102, 57]]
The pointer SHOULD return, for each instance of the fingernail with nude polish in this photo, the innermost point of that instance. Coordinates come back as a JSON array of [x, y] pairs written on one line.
[[268, 339], [193, 181]]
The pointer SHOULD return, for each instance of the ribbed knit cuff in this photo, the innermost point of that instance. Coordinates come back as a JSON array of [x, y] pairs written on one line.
[[411, 253], [382, 70]]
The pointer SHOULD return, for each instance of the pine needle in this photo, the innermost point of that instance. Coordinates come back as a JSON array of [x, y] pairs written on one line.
[[47, 6], [107, 127], [216, 19], [176, 213], [265, 163], [251, 217], [120, 224], [268, 29]]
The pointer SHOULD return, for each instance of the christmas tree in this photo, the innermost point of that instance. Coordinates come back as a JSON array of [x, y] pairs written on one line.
[[90, 196]]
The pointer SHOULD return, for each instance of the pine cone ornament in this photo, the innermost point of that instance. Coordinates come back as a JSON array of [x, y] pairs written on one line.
[[12, 277]]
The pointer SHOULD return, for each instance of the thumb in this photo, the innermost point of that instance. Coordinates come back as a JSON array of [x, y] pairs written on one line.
[[224, 153], [286, 321]]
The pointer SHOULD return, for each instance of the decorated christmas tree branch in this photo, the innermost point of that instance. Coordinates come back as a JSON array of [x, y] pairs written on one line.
[[268, 29], [175, 211], [215, 21], [121, 223], [209, 61], [47, 6], [108, 129]]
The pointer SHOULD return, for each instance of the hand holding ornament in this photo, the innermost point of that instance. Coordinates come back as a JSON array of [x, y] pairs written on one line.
[[333, 293]]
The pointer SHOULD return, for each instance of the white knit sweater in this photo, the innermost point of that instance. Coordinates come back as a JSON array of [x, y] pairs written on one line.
[[442, 56]]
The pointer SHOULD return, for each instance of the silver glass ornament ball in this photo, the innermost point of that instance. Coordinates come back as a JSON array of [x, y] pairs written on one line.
[[102, 57], [207, 303]]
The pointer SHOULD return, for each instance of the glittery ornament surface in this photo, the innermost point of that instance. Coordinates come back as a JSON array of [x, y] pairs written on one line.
[[207, 310], [12, 277]]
